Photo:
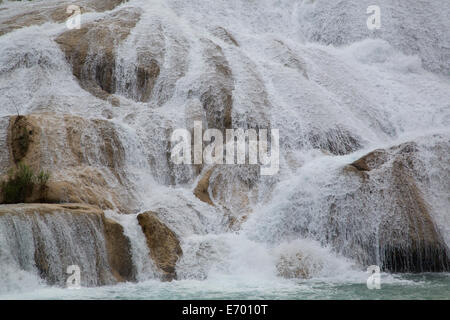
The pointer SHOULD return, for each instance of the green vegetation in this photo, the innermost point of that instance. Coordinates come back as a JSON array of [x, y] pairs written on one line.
[[21, 182], [42, 178]]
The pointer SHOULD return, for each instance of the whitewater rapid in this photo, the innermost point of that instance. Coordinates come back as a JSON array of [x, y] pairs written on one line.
[[298, 66]]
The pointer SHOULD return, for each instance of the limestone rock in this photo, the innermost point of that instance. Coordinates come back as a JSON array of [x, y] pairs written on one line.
[[371, 160], [91, 50], [164, 245], [408, 238], [224, 35], [231, 188], [217, 96], [201, 190], [37, 14], [235, 188], [337, 141], [71, 234], [119, 251], [21, 137], [85, 158]]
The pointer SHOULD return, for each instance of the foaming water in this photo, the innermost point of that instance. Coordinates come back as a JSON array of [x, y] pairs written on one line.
[[426, 286], [335, 95], [40, 244], [145, 267]]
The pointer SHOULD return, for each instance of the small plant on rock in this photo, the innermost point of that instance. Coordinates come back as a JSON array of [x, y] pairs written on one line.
[[42, 178], [21, 182]]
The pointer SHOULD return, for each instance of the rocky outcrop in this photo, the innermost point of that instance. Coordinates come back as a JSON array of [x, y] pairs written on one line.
[[232, 188], [371, 160], [85, 158], [21, 137], [105, 5], [337, 141], [224, 35], [217, 96], [119, 251], [39, 14], [406, 238], [286, 56], [163, 243], [61, 235], [201, 190], [91, 50]]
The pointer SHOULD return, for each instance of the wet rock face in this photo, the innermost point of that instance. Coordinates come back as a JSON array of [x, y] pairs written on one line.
[[224, 35], [119, 251], [419, 246], [371, 160], [70, 234], [105, 5], [337, 141], [217, 97], [147, 72], [288, 58], [92, 52], [201, 191], [231, 188], [408, 239], [38, 14], [21, 137], [164, 245], [85, 159]]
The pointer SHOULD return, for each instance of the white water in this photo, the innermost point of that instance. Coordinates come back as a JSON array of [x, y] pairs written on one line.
[[61, 240], [304, 67]]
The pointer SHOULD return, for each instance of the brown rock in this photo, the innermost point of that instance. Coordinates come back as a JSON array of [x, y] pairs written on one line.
[[147, 72], [91, 222], [201, 190], [406, 238], [164, 245], [232, 188], [34, 15], [417, 246], [371, 160], [337, 141], [105, 5], [224, 35], [289, 58], [21, 135], [85, 159], [217, 97], [91, 50], [119, 251]]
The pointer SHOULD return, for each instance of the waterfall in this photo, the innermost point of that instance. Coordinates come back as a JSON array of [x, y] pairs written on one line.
[[45, 245], [104, 100]]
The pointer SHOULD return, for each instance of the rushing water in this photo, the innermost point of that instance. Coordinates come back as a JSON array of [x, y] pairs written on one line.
[[424, 286], [309, 68]]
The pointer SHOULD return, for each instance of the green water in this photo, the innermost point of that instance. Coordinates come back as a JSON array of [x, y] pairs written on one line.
[[418, 286]]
